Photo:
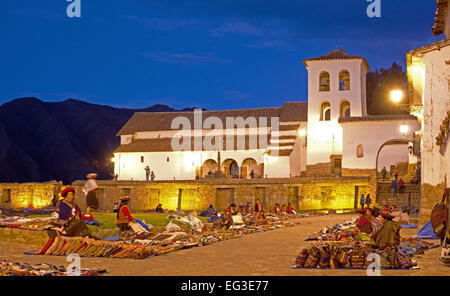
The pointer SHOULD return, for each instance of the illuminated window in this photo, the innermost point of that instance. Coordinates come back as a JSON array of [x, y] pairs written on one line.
[[324, 79], [345, 109], [325, 111], [344, 80]]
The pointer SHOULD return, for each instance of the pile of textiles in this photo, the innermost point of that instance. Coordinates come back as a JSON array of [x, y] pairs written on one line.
[[22, 269], [347, 231], [86, 247], [27, 223], [351, 255], [412, 246]]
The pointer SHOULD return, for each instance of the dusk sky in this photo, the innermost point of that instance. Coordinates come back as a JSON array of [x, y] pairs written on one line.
[[227, 54]]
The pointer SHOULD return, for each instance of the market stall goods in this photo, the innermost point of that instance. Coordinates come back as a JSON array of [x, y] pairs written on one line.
[[22, 269], [351, 255], [37, 224]]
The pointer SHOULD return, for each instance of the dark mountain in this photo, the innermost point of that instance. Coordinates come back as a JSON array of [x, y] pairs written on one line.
[[42, 141]]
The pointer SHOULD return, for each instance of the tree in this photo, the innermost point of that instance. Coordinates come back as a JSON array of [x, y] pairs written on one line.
[[379, 85]]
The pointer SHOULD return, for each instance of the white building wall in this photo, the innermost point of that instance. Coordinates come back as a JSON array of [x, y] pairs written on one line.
[[325, 137], [183, 165], [372, 135], [435, 166]]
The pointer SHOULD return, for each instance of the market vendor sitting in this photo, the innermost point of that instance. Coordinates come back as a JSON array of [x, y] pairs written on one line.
[[290, 209], [231, 210], [248, 208], [70, 216], [123, 215], [363, 222], [277, 209], [159, 209], [377, 222], [390, 233], [208, 212]]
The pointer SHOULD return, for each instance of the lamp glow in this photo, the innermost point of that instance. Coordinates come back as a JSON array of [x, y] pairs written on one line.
[[302, 132], [404, 129], [396, 95]]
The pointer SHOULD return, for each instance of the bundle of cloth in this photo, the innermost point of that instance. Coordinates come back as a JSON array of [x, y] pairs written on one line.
[[38, 224], [346, 231], [86, 247], [8, 268], [351, 255]]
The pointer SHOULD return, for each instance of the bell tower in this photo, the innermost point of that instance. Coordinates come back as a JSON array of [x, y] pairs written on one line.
[[336, 88]]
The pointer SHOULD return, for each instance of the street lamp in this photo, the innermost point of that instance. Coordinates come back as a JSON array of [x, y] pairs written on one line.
[[396, 95], [404, 129]]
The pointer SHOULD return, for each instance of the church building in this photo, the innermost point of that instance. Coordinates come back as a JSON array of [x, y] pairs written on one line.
[[329, 135]]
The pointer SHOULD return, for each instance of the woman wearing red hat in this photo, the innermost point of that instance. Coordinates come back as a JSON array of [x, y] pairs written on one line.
[[70, 215], [123, 215], [363, 222], [390, 233]]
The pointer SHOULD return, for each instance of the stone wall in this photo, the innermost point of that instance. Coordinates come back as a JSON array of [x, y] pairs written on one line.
[[22, 195], [431, 195], [359, 172], [303, 193], [319, 170]]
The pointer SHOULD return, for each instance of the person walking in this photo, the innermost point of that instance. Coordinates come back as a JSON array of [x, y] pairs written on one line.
[[147, 173], [384, 173], [258, 209], [152, 176], [368, 200], [90, 193], [362, 201], [394, 186], [396, 174], [401, 186]]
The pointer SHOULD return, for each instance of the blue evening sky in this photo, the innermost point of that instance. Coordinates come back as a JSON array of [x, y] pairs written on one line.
[[226, 54]]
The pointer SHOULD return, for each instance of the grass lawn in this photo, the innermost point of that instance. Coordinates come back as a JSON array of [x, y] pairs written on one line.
[[108, 220]]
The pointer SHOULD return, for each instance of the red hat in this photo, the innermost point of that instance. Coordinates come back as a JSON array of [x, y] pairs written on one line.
[[361, 211], [386, 204], [128, 197], [67, 190], [387, 215]]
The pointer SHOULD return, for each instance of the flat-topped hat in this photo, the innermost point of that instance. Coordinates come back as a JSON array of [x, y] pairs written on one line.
[[127, 197], [92, 176], [67, 190]]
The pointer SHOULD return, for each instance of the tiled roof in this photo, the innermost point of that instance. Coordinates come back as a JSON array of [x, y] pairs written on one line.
[[161, 121], [337, 54], [377, 118], [165, 145], [439, 20], [294, 111]]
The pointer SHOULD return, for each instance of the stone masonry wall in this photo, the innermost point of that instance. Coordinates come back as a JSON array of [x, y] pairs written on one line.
[[16, 195], [431, 195]]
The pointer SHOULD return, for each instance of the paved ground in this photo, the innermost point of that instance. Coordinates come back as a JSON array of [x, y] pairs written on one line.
[[267, 253]]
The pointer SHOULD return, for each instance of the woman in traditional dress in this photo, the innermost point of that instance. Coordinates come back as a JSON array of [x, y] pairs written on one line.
[[389, 234], [89, 191], [123, 215], [363, 222], [70, 216]]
